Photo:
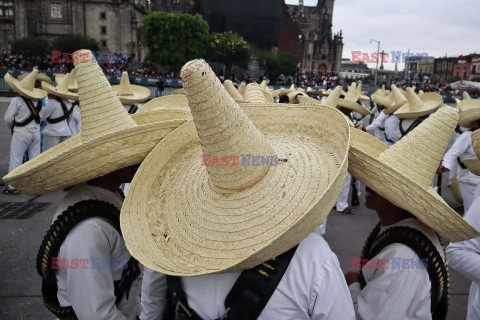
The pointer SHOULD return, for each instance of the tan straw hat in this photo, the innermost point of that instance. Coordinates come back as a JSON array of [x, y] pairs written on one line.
[[350, 101], [254, 94], [457, 195], [130, 93], [61, 90], [72, 83], [110, 139], [361, 95], [178, 91], [393, 101], [469, 113], [309, 89], [39, 77], [476, 142], [473, 164], [419, 106], [241, 88], [403, 173], [187, 219], [465, 95], [26, 87], [232, 90], [176, 101], [162, 114]]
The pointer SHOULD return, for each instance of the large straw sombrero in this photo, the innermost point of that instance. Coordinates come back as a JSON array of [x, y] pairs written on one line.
[[232, 91], [26, 86], [361, 94], [175, 101], [130, 93], [350, 101], [39, 77], [391, 102], [180, 91], [241, 88], [72, 83], [457, 195], [182, 218], [476, 142], [417, 106], [61, 90], [403, 173], [469, 112], [254, 94], [110, 139]]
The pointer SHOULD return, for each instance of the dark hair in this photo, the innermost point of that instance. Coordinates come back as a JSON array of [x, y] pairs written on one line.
[[283, 99]]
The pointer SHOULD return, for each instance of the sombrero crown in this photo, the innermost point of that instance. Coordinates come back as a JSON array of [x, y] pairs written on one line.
[[26, 87], [350, 100], [184, 218], [403, 173], [61, 90], [130, 93], [419, 106], [110, 139]]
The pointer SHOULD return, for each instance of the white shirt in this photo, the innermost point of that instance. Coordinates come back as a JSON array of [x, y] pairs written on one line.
[[75, 122], [396, 293], [313, 287], [54, 110], [90, 291], [18, 111], [461, 148], [377, 125], [392, 133], [464, 257]]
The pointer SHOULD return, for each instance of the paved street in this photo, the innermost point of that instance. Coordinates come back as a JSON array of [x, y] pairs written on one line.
[[21, 233]]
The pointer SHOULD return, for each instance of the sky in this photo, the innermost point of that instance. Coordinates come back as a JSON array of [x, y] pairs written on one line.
[[437, 27]]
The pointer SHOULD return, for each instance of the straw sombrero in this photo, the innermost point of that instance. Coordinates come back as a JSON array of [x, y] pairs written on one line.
[[310, 90], [130, 93], [110, 139], [26, 87], [350, 101], [61, 90], [473, 164], [403, 173], [391, 102], [176, 101], [162, 114], [72, 83], [465, 95], [476, 142], [232, 91], [361, 95], [417, 106], [39, 77], [469, 113], [241, 89], [186, 219], [180, 91], [457, 195]]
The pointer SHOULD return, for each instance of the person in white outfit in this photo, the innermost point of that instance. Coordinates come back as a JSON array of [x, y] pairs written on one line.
[[22, 118], [130, 94]]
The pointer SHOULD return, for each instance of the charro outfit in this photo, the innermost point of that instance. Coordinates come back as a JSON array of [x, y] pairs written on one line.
[[57, 115], [377, 127]]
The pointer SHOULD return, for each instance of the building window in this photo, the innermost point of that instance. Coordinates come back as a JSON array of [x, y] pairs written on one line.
[[103, 30], [103, 16], [56, 10], [104, 43]]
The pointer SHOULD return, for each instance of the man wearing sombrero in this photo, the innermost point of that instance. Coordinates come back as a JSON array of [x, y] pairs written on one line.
[[401, 273], [86, 269], [238, 241], [75, 121], [464, 256], [57, 113], [463, 149], [22, 117], [130, 94]]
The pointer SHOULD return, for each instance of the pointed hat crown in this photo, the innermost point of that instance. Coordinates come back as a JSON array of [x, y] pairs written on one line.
[[28, 83], [332, 100], [255, 94], [124, 89]]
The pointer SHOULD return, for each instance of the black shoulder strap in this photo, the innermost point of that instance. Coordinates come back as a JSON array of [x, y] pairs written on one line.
[[248, 296], [133, 109], [34, 112], [437, 269], [410, 128], [53, 240], [66, 113]]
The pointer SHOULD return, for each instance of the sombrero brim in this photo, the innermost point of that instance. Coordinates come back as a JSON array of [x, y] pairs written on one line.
[[363, 97], [39, 77], [178, 91], [35, 94], [180, 101], [62, 94], [174, 223], [160, 115], [476, 142], [469, 113], [74, 87], [457, 195], [424, 203], [473, 164], [140, 94], [353, 106], [75, 161], [431, 102]]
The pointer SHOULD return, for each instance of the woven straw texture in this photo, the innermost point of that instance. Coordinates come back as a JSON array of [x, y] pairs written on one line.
[[232, 90], [61, 90], [473, 164], [350, 101], [180, 91], [417, 106], [403, 173], [176, 101], [26, 87], [38, 76], [476, 142], [161, 115], [393, 101], [72, 83], [469, 112], [241, 89], [254, 94], [110, 140], [182, 218], [130, 93]]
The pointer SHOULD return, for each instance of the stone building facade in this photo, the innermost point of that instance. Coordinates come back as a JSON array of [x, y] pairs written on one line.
[[115, 24], [321, 51], [174, 6]]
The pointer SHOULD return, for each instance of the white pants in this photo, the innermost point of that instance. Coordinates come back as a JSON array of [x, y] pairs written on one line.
[[467, 190], [22, 141], [342, 201], [322, 228], [52, 141]]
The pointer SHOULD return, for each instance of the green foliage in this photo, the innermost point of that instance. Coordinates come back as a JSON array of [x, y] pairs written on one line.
[[279, 62], [230, 49], [30, 46], [72, 42], [174, 38]]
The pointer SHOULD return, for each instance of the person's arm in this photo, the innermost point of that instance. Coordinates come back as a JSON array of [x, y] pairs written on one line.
[[391, 128], [154, 295], [47, 111], [12, 110], [376, 123], [91, 290], [458, 148]]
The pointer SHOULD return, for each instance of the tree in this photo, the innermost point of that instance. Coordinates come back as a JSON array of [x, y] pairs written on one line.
[[174, 38], [230, 49], [70, 43], [31, 46], [279, 62]]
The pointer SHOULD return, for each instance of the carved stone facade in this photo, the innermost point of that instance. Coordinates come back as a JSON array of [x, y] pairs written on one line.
[[173, 6], [322, 51], [114, 23]]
